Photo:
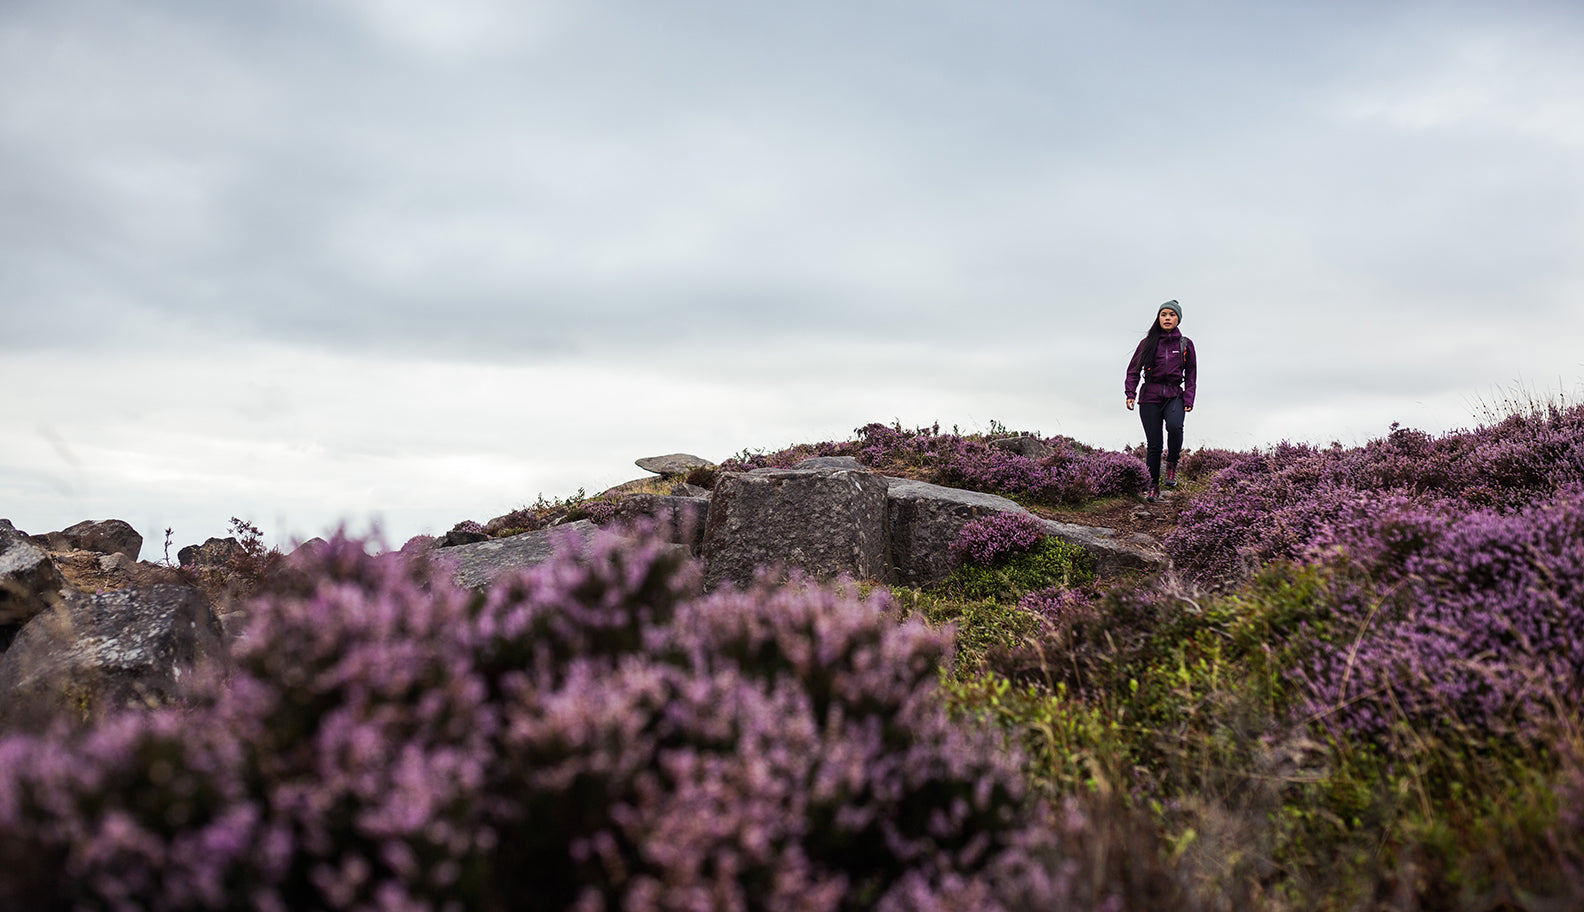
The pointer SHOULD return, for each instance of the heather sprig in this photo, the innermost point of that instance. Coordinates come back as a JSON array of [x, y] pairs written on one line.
[[989, 538]]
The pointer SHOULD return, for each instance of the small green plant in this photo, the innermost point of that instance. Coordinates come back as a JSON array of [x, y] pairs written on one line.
[[1051, 562]]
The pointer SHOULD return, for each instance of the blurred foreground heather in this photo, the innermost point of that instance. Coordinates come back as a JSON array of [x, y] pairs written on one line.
[[594, 734]]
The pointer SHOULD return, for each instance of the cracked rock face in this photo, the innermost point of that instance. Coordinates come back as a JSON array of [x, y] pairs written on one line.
[[827, 522], [95, 652]]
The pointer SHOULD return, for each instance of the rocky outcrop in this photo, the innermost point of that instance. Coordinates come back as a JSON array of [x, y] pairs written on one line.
[[820, 518], [829, 516], [95, 652], [924, 520], [827, 522]]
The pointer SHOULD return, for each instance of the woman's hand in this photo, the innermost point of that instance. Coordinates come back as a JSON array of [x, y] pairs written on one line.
[[1188, 408], [1130, 405]]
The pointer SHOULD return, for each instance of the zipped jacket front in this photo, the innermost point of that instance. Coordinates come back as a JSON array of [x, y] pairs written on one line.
[[1175, 371]]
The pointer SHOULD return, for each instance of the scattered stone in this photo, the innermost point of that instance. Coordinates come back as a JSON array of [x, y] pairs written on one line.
[[216, 552], [1025, 445], [684, 489], [826, 522], [92, 653], [462, 537], [1142, 514], [674, 464], [110, 563]]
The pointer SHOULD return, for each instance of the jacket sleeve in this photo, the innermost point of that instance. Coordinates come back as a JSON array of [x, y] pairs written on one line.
[[1190, 373], [1135, 367]]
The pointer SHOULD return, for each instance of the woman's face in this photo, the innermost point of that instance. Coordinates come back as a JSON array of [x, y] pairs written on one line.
[[1168, 318]]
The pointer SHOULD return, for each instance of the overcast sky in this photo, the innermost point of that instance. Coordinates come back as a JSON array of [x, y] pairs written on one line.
[[313, 262]]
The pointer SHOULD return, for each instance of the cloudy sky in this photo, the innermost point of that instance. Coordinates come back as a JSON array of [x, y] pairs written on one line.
[[397, 262]]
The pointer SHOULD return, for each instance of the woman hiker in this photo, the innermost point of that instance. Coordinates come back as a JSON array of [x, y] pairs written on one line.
[[1170, 371]]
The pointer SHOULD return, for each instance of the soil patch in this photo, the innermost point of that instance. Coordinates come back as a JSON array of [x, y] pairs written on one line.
[[1127, 514], [83, 570]]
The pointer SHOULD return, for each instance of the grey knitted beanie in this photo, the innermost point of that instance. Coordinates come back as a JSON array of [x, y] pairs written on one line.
[[1172, 306]]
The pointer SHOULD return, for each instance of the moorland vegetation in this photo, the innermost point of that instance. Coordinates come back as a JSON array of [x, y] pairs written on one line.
[[1359, 688]]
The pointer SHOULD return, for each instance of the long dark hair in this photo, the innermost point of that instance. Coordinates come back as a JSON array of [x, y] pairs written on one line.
[[1151, 348]]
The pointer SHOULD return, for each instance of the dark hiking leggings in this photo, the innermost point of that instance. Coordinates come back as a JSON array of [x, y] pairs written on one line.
[[1154, 415]]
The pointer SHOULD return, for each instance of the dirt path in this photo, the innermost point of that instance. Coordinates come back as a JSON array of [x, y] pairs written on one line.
[[1128, 514]]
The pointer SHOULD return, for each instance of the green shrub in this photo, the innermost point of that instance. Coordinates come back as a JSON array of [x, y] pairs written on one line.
[[1051, 562]]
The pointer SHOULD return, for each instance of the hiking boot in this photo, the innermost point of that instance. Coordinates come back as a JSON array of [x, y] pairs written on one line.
[[1171, 475], [1153, 494]]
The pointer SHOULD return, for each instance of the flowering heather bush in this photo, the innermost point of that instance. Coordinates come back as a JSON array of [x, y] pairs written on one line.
[[1110, 474], [1061, 605], [591, 735], [780, 459], [1443, 620], [1270, 505], [1076, 472], [1200, 464], [989, 538], [522, 519], [599, 512]]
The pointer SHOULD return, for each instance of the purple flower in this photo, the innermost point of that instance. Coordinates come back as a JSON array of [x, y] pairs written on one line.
[[999, 535]]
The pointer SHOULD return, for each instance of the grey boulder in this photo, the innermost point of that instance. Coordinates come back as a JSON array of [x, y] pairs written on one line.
[[29, 581], [104, 536], [679, 520], [215, 552], [925, 519], [672, 464], [827, 522], [476, 565], [96, 652]]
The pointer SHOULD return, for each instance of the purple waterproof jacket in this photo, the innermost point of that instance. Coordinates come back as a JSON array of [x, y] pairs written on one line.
[[1176, 370]]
